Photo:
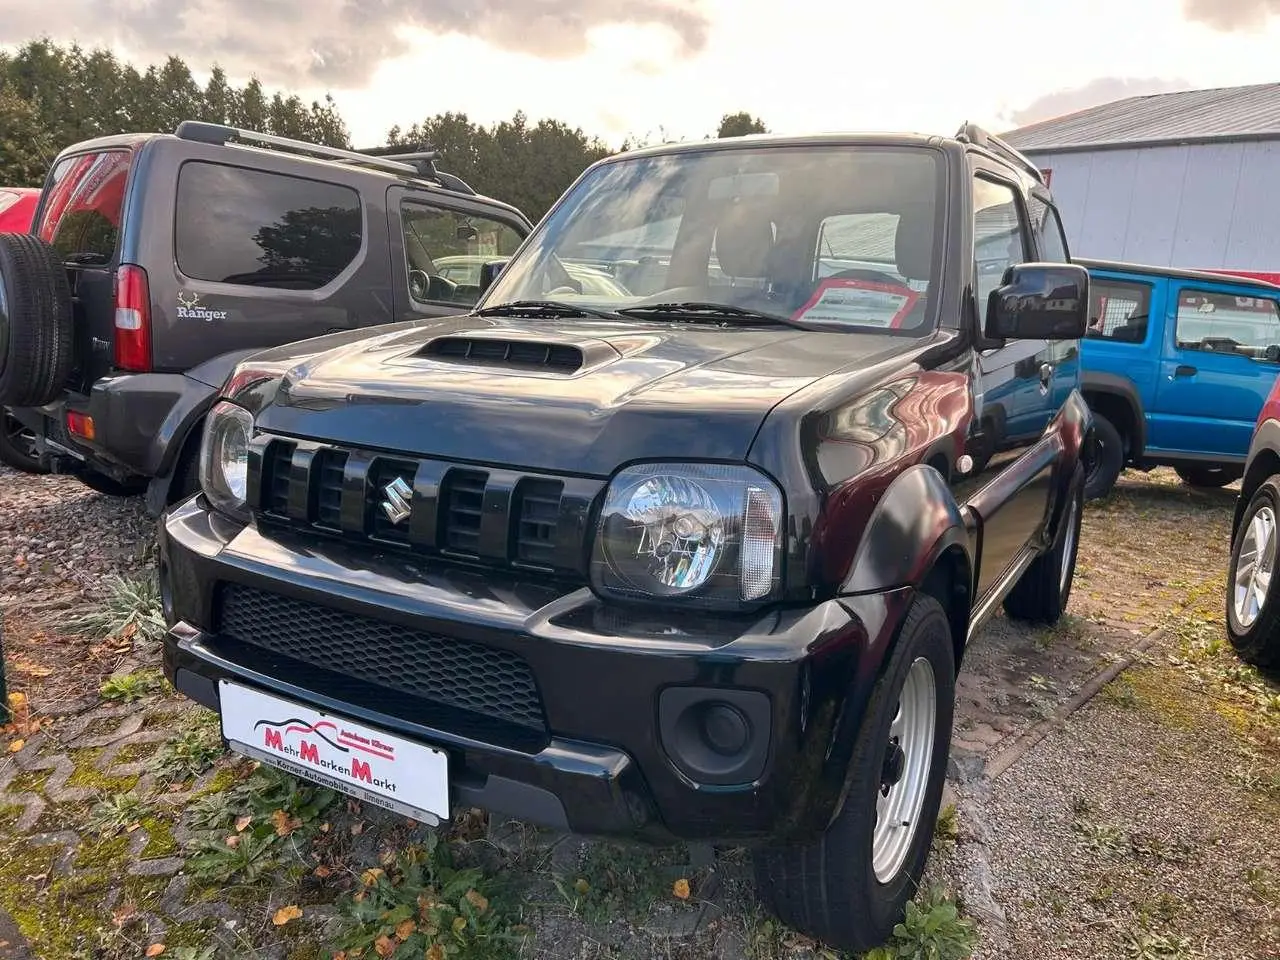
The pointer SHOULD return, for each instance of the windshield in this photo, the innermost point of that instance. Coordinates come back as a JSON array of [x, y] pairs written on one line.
[[840, 236]]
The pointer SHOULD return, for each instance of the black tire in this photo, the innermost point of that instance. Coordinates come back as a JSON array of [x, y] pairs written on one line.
[[1108, 458], [17, 445], [35, 321], [1257, 642], [1209, 478], [109, 486], [1044, 589], [828, 889]]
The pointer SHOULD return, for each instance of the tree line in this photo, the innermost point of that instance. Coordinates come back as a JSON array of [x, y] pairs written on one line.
[[53, 96]]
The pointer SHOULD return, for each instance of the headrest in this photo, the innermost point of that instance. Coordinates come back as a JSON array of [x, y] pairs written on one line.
[[744, 239], [915, 243]]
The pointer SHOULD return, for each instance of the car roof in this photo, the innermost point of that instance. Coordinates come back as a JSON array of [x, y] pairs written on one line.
[[784, 140], [1178, 273]]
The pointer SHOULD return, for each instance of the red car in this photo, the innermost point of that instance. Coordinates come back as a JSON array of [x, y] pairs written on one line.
[[1253, 607], [17, 207], [17, 443]]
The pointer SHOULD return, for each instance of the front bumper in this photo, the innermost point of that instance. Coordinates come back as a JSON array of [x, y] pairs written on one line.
[[607, 760]]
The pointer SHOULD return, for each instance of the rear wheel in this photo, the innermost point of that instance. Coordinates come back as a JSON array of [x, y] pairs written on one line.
[[1209, 477], [35, 321], [1108, 459], [18, 445], [1253, 607], [851, 886]]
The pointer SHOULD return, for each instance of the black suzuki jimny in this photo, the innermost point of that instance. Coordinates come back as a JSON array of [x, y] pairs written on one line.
[[689, 555]]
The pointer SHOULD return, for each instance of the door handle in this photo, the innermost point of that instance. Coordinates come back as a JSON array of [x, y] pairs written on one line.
[[1182, 370], [1046, 373]]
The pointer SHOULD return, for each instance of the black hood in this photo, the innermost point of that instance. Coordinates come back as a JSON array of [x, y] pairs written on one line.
[[566, 396]]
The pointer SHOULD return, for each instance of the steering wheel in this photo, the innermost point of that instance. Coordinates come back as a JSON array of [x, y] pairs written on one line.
[[424, 286]]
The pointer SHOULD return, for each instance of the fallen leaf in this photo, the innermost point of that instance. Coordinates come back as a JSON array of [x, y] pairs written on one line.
[[17, 745], [155, 950], [242, 823], [681, 888], [286, 914], [129, 630], [284, 823], [436, 952], [404, 929], [324, 828], [384, 946], [459, 924], [357, 829], [477, 900], [582, 886], [370, 876], [123, 915], [233, 841], [322, 871]]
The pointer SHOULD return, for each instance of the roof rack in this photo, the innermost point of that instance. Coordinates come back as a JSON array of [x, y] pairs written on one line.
[[418, 163], [972, 133]]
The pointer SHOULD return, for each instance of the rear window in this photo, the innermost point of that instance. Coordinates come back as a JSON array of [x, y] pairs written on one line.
[[253, 228], [80, 216]]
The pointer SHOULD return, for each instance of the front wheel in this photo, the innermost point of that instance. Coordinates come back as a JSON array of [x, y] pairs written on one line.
[[1253, 609], [1209, 477], [851, 886]]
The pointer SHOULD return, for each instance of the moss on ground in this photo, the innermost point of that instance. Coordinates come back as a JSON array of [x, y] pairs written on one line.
[[160, 839]]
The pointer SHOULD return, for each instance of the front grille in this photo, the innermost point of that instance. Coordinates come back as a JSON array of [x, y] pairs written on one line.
[[491, 683], [491, 517]]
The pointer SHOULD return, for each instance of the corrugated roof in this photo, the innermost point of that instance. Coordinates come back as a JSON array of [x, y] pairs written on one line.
[[1223, 113]]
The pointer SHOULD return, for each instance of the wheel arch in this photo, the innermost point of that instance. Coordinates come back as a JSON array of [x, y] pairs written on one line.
[[1263, 462], [1116, 398]]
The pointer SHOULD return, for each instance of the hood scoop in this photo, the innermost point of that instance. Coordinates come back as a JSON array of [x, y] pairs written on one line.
[[519, 353]]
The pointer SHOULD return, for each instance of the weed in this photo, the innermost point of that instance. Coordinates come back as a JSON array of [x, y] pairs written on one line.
[[947, 830], [1264, 884], [422, 905], [617, 880], [131, 610], [1101, 837], [116, 812], [241, 856], [1144, 945], [132, 686], [193, 751], [1120, 692], [931, 930]]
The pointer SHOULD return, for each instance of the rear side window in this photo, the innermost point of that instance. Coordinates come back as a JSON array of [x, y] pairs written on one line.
[[259, 229], [1224, 323], [1118, 310], [80, 216]]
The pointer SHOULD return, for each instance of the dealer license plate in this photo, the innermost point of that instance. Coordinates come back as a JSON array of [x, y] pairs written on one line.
[[365, 762]]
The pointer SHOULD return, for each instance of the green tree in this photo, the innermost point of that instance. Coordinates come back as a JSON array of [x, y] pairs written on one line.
[[740, 125], [25, 150]]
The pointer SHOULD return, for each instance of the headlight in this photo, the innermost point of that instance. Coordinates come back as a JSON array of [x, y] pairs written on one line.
[[224, 457], [707, 532]]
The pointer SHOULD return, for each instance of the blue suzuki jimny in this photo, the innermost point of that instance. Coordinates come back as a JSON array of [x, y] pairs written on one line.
[[1175, 366]]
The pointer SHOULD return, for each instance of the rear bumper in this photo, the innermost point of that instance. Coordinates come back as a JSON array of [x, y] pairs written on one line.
[[136, 419], [609, 758]]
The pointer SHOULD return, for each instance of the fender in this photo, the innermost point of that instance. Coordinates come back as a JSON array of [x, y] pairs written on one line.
[[1098, 381], [1264, 453]]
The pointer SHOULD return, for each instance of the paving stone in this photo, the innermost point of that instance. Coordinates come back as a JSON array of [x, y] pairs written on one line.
[[13, 946]]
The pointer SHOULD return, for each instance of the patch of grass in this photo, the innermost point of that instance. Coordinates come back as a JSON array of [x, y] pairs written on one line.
[[116, 812], [931, 930], [131, 687], [1145, 945], [421, 905], [130, 610], [1120, 692], [947, 830], [618, 880], [243, 857], [1264, 884], [1101, 837], [195, 748]]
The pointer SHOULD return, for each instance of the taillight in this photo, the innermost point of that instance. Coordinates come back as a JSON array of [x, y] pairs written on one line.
[[133, 319]]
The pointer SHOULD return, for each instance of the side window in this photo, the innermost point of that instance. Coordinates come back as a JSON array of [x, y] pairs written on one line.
[[1050, 239], [80, 215], [1118, 310], [445, 249], [259, 229], [999, 237], [1225, 323]]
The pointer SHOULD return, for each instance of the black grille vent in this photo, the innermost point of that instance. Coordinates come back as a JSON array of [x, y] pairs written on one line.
[[507, 353], [538, 516], [329, 466], [482, 680], [464, 506], [275, 478]]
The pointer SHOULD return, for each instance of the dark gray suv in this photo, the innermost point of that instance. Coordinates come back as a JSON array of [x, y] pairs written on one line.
[[156, 262]]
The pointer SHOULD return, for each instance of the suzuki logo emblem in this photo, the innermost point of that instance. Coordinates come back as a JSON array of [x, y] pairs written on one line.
[[399, 496]]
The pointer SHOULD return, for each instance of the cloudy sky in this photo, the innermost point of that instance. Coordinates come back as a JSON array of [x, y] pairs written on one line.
[[672, 67]]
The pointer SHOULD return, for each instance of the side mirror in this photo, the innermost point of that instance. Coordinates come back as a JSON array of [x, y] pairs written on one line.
[[1039, 301], [489, 271]]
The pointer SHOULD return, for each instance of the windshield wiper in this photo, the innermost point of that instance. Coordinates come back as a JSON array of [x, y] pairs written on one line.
[[544, 308], [712, 312]]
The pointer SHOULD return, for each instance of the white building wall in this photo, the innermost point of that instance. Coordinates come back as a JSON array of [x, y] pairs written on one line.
[[1207, 206]]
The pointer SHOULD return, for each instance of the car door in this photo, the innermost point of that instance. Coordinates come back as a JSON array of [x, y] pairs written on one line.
[[1220, 359], [1015, 397], [438, 244]]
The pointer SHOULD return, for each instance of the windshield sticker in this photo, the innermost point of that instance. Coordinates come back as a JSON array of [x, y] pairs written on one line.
[[861, 302]]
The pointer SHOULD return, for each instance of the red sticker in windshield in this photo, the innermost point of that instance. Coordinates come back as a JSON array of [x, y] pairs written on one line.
[[862, 302]]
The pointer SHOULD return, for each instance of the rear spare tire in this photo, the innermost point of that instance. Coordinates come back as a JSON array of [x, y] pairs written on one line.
[[35, 321]]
